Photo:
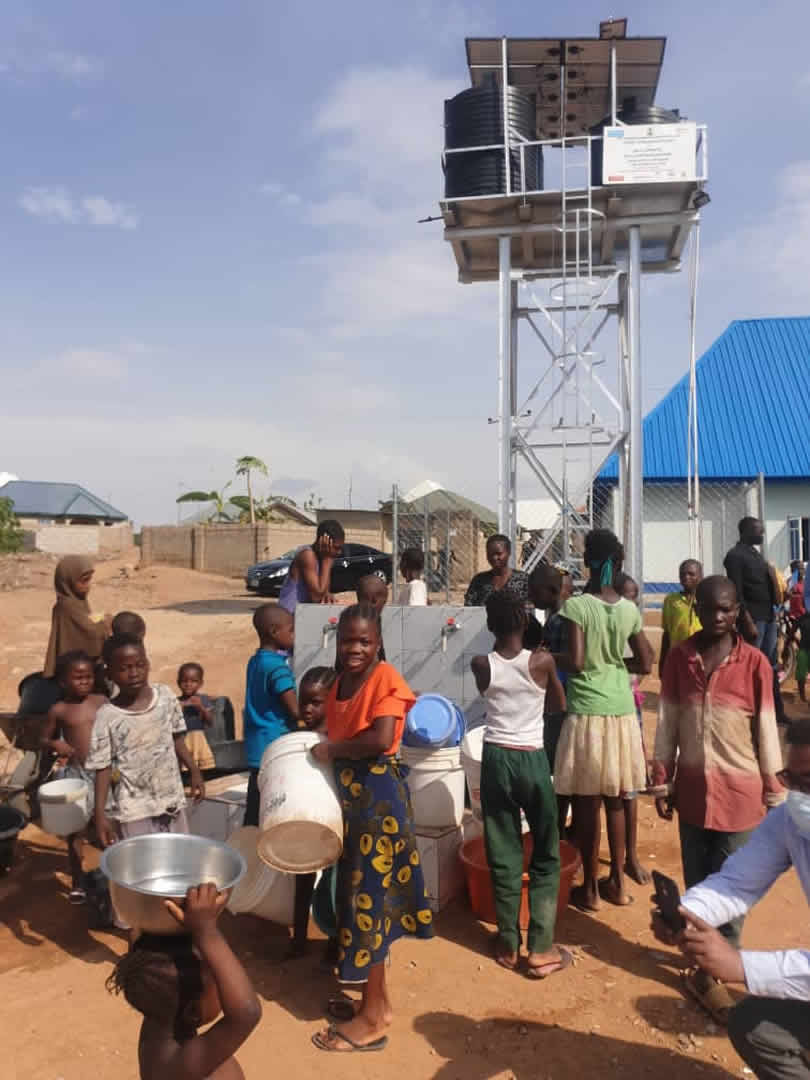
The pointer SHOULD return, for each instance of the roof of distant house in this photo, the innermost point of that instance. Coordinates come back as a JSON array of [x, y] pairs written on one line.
[[746, 382], [39, 498], [433, 498]]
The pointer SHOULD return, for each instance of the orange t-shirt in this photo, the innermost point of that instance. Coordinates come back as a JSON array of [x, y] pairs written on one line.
[[384, 693]]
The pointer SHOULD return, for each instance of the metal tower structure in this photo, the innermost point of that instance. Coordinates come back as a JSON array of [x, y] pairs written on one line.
[[568, 261]]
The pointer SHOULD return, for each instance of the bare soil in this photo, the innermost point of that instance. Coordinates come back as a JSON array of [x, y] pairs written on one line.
[[618, 1011]]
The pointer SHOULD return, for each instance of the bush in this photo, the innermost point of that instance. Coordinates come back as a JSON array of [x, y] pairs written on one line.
[[11, 535]]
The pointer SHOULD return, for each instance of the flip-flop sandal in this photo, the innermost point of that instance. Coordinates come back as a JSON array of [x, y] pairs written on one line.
[[77, 897], [715, 999], [539, 971], [355, 1048], [341, 1009]]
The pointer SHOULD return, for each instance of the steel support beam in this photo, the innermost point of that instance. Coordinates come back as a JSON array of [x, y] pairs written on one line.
[[635, 548], [504, 385]]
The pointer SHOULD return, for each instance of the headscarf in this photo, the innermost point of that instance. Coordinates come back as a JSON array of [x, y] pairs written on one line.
[[72, 626]]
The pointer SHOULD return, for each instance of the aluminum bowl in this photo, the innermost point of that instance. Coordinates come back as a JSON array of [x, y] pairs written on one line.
[[144, 871]]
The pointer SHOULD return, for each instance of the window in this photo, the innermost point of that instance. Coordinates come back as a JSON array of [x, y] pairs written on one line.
[[798, 538]]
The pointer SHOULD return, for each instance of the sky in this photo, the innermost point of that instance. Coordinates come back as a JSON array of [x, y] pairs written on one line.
[[211, 245]]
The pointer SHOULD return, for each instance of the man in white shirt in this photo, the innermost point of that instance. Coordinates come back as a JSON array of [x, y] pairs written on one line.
[[770, 1029]]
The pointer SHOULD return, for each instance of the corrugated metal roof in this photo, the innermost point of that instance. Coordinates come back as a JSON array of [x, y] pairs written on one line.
[[36, 498], [746, 382]]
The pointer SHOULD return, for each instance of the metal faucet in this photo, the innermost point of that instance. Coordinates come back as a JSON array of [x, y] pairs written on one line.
[[450, 627], [329, 628]]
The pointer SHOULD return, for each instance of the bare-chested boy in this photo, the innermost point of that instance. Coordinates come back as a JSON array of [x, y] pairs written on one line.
[[67, 733]]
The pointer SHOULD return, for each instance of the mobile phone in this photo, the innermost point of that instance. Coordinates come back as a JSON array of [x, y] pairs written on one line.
[[668, 899]]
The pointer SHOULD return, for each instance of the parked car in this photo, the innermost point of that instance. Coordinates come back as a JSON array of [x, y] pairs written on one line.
[[357, 560]]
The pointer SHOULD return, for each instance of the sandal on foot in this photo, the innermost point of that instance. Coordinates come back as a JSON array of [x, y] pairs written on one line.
[[341, 1009], [607, 890], [544, 971], [709, 993], [328, 1043]]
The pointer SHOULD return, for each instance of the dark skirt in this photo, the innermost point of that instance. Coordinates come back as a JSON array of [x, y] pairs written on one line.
[[380, 893]]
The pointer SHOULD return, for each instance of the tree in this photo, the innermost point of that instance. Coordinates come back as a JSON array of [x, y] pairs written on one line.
[[264, 509], [244, 467], [218, 498], [11, 535]]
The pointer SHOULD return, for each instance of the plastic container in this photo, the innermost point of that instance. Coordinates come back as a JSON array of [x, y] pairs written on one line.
[[434, 721], [479, 883], [436, 783], [264, 892], [65, 806], [301, 819], [472, 750]]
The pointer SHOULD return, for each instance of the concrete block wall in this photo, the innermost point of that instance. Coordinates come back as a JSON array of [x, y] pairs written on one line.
[[171, 545], [68, 539], [114, 539]]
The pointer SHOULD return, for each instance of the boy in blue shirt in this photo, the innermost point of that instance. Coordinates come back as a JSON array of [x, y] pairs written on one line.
[[271, 706]]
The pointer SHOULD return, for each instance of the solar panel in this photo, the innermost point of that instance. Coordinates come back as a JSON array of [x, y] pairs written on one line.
[[534, 65]]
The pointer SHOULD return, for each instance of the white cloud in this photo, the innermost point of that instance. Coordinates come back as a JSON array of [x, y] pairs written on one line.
[[34, 59], [57, 205], [94, 362], [281, 194]]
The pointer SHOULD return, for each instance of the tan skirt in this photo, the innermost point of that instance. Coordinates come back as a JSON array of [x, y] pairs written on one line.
[[199, 749], [599, 755]]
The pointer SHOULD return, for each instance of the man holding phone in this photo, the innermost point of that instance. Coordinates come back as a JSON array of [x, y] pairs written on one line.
[[770, 1029]]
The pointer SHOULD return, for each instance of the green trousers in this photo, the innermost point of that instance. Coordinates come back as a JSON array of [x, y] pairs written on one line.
[[511, 781]]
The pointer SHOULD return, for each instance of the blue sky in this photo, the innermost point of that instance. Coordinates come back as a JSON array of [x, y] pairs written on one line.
[[210, 245]]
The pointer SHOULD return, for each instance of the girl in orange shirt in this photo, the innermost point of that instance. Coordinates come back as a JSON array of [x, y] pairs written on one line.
[[380, 889]]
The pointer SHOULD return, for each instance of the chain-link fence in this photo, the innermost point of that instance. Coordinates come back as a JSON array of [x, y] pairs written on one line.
[[449, 530]]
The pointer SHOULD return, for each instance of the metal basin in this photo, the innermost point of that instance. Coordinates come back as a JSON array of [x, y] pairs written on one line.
[[144, 871]]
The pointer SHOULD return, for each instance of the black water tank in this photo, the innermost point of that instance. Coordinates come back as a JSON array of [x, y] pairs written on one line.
[[630, 113], [475, 118]]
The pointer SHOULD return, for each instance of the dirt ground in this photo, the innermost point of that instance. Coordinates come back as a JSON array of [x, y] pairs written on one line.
[[458, 1015]]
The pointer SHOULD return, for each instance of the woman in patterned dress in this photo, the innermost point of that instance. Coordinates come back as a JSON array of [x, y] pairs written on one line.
[[380, 889]]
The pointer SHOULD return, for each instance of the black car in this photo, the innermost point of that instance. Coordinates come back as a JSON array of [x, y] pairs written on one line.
[[357, 560]]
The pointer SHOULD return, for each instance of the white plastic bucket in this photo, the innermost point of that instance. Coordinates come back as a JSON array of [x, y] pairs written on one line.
[[472, 750], [301, 819], [436, 783], [267, 893], [65, 806]]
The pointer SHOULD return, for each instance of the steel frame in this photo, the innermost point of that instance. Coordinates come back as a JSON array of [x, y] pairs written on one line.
[[585, 296]]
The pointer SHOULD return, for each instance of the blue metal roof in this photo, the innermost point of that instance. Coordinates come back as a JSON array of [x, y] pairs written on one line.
[[35, 498], [745, 384]]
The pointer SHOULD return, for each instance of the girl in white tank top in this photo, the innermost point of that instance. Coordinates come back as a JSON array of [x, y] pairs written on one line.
[[515, 703]]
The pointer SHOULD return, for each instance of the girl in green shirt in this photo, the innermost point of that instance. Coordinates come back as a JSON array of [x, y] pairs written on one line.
[[600, 755]]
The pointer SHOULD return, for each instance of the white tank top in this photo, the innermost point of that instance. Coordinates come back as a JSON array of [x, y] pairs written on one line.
[[515, 703]]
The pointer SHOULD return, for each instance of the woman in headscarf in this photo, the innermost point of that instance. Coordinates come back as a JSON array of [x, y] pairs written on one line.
[[72, 624]]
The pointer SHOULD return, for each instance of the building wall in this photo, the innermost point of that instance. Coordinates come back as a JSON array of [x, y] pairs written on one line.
[[783, 500], [80, 539]]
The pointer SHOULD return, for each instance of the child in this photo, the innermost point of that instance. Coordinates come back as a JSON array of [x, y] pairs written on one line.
[[308, 581], [380, 890], [549, 588], [373, 592], [181, 983], [129, 622], [802, 627], [67, 734], [717, 734], [599, 755], [627, 588], [312, 694], [196, 713], [136, 749], [411, 565], [678, 618], [271, 707], [72, 625], [515, 776]]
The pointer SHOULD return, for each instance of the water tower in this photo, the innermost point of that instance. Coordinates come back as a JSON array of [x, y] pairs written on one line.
[[564, 183]]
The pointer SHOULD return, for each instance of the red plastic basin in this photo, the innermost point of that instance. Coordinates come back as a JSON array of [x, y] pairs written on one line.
[[479, 884]]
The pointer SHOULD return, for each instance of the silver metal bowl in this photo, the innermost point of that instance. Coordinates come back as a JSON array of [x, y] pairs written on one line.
[[144, 871]]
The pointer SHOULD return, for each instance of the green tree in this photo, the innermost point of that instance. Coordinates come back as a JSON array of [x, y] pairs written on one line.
[[218, 498], [263, 509], [244, 467], [11, 535]]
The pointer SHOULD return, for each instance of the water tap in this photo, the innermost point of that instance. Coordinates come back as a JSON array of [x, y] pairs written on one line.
[[329, 628], [450, 627]]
